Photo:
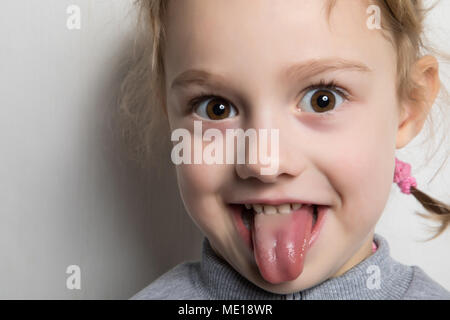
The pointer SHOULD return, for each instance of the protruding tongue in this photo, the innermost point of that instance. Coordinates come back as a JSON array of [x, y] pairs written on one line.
[[280, 243]]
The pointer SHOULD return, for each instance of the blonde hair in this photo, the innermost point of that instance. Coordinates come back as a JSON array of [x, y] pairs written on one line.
[[143, 104]]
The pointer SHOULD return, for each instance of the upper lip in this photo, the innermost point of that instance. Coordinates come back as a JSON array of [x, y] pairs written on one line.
[[276, 202]]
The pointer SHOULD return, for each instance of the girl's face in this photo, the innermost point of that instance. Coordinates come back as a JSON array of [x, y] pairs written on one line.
[[261, 58]]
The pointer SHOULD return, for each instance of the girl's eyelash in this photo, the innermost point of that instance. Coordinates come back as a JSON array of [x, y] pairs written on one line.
[[330, 85], [322, 84], [202, 96]]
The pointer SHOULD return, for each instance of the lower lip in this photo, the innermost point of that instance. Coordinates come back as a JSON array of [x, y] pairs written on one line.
[[246, 234]]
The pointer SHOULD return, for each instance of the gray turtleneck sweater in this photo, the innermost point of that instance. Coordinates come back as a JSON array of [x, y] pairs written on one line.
[[213, 278]]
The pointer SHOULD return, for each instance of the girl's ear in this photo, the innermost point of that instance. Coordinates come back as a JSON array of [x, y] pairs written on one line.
[[415, 109]]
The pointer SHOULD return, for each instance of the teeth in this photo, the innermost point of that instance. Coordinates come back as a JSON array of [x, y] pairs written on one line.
[[285, 208], [270, 210], [258, 208]]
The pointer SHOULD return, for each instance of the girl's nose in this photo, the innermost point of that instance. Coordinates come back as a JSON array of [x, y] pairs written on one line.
[[246, 171], [286, 161]]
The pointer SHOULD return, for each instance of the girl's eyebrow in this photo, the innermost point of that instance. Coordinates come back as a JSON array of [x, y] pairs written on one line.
[[315, 67], [294, 72]]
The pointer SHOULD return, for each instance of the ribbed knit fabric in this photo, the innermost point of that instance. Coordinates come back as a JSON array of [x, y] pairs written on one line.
[[213, 278]]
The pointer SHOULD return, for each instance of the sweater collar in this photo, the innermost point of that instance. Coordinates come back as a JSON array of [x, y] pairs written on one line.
[[223, 282]]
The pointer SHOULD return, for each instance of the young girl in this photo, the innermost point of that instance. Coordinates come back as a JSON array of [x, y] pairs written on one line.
[[346, 84]]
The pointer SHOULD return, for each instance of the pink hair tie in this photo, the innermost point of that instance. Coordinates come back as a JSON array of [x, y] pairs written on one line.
[[402, 176]]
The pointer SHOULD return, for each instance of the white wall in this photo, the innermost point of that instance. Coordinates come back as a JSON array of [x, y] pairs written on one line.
[[68, 196]]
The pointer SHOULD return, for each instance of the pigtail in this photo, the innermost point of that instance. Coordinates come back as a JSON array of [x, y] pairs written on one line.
[[141, 102], [438, 211]]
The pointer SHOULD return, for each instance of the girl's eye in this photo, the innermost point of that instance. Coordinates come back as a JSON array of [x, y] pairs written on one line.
[[321, 100], [215, 108]]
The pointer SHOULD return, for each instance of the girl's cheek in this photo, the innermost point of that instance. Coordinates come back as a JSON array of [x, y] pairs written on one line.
[[357, 171], [198, 179]]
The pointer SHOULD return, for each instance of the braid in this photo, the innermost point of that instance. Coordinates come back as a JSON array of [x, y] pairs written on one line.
[[439, 211]]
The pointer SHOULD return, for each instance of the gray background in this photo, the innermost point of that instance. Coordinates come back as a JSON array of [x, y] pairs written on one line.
[[69, 196]]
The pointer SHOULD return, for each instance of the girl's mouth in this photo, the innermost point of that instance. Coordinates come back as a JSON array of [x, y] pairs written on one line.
[[279, 236], [248, 212]]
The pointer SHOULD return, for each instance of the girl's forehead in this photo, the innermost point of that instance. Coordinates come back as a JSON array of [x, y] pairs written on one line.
[[228, 20], [235, 33]]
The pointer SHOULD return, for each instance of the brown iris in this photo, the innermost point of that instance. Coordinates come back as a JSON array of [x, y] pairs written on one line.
[[217, 109], [323, 100]]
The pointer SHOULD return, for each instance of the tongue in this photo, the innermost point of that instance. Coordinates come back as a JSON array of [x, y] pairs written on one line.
[[280, 243]]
